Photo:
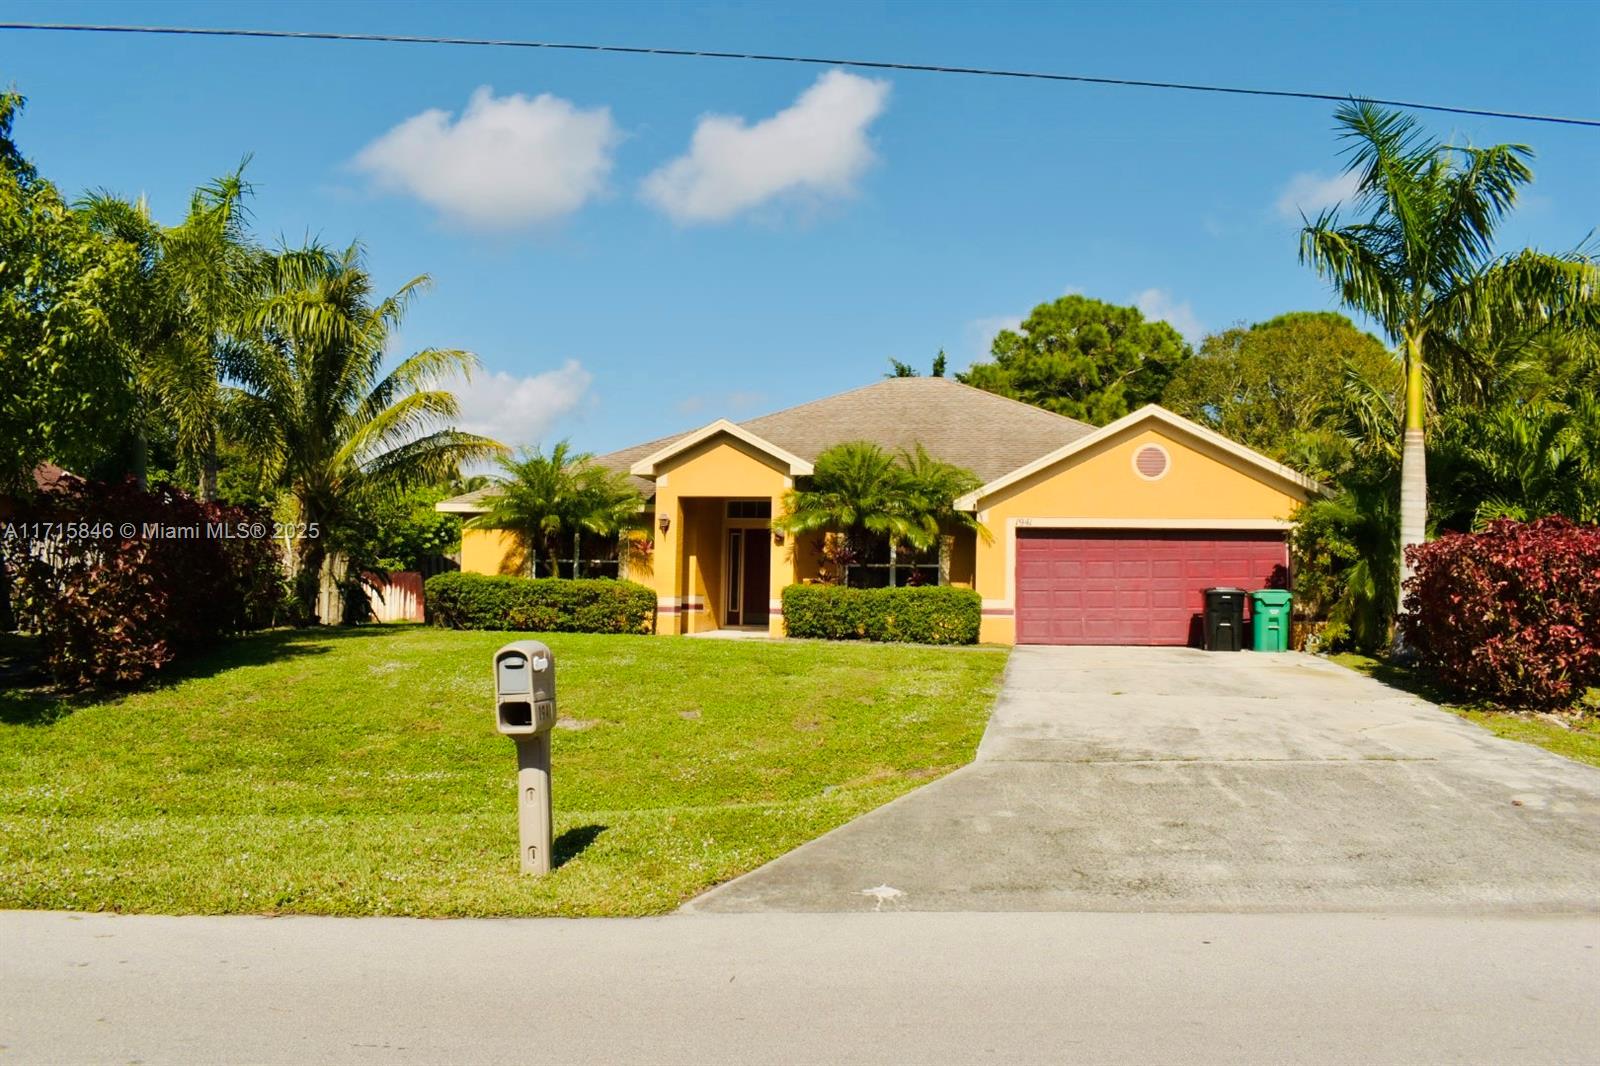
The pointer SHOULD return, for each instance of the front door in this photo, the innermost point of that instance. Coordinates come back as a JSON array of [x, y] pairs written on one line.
[[749, 577], [756, 591]]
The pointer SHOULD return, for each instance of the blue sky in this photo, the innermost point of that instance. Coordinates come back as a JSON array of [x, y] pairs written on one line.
[[623, 276]]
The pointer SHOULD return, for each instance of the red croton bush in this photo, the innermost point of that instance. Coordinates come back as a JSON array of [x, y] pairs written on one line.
[[1510, 614], [120, 582]]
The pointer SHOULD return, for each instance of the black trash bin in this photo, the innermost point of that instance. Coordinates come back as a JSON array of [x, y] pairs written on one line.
[[1225, 619]]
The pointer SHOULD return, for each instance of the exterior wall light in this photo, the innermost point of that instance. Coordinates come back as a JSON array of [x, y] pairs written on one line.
[[663, 523], [777, 537]]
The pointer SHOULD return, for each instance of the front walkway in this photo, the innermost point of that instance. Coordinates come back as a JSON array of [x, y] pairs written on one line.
[[1171, 779], [740, 633]]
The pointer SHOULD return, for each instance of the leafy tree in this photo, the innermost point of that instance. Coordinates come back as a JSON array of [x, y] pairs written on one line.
[[1082, 358], [897, 369], [315, 407], [1421, 263], [544, 499], [1279, 386], [62, 288], [861, 492], [400, 531]]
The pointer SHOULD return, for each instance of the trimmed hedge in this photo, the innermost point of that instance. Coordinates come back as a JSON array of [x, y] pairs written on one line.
[[540, 605], [1510, 614], [924, 615]]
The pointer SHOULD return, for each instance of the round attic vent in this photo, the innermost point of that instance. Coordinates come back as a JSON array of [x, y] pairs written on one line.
[[1150, 462]]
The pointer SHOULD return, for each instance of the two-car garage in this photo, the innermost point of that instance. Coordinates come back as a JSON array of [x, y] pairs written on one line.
[[1114, 537], [1132, 586]]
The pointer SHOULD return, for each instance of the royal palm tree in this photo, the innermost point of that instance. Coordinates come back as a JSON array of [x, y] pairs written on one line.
[[315, 406], [541, 499], [1421, 263]]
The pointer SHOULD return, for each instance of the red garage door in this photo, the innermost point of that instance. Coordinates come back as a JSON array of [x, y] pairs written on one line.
[[1131, 587]]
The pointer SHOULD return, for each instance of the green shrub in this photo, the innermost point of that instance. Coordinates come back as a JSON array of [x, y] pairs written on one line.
[[925, 615], [542, 605]]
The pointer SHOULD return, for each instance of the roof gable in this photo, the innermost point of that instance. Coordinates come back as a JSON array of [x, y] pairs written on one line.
[[647, 466], [1246, 460]]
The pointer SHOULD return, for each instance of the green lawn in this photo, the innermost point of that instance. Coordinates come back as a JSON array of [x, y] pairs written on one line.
[[358, 772], [1576, 738]]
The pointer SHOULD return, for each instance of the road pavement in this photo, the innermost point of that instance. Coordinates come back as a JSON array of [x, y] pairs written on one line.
[[801, 988]]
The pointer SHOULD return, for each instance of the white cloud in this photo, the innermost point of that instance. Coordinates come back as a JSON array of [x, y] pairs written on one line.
[[1310, 194], [1159, 304], [981, 332], [507, 160], [521, 410], [817, 146]]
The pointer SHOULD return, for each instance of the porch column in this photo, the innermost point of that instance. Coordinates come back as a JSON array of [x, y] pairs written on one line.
[[785, 570], [669, 566]]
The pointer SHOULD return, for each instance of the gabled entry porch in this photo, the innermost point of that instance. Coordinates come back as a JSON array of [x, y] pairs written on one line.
[[718, 562]]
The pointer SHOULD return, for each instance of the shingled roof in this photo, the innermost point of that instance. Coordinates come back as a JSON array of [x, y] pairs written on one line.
[[988, 434]]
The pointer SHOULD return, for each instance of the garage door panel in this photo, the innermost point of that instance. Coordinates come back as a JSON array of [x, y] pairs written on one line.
[[1145, 587]]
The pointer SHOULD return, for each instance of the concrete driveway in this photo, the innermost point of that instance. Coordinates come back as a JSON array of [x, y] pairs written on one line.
[[1117, 779]]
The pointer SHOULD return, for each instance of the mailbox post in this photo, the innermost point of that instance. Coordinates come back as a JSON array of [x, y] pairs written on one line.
[[525, 711]]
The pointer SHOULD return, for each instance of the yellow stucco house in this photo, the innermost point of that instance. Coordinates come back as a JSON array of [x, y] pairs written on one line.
[[1097, 536]]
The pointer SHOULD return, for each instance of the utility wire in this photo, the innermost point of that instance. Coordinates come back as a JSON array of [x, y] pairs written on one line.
[[866, 64]]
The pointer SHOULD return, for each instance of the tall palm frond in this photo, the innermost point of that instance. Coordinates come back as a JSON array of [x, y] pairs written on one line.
[[543, 499], [1420, 261], [311, 398]]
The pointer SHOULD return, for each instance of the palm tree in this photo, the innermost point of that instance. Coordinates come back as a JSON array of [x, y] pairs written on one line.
[[542, 497], [195, 282], [143, 324], [861, 492], [212, 275], [858, 491], [1521, 460], [313, 403], [933, 486], [1421, 264]]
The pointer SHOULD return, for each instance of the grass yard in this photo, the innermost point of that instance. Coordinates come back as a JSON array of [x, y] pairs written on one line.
[[1576, 738], [358, 772]]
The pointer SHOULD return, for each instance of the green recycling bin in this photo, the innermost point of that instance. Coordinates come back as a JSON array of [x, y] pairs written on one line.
[[1269, 619]]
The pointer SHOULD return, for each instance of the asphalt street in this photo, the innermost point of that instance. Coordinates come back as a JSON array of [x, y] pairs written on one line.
[[801, 988]]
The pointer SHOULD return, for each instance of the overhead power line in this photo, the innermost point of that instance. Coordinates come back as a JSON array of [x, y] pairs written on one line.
[[866, 64]]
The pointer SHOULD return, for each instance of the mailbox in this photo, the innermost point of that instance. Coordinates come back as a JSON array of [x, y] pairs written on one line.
[[525, 711], [524, 688]]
